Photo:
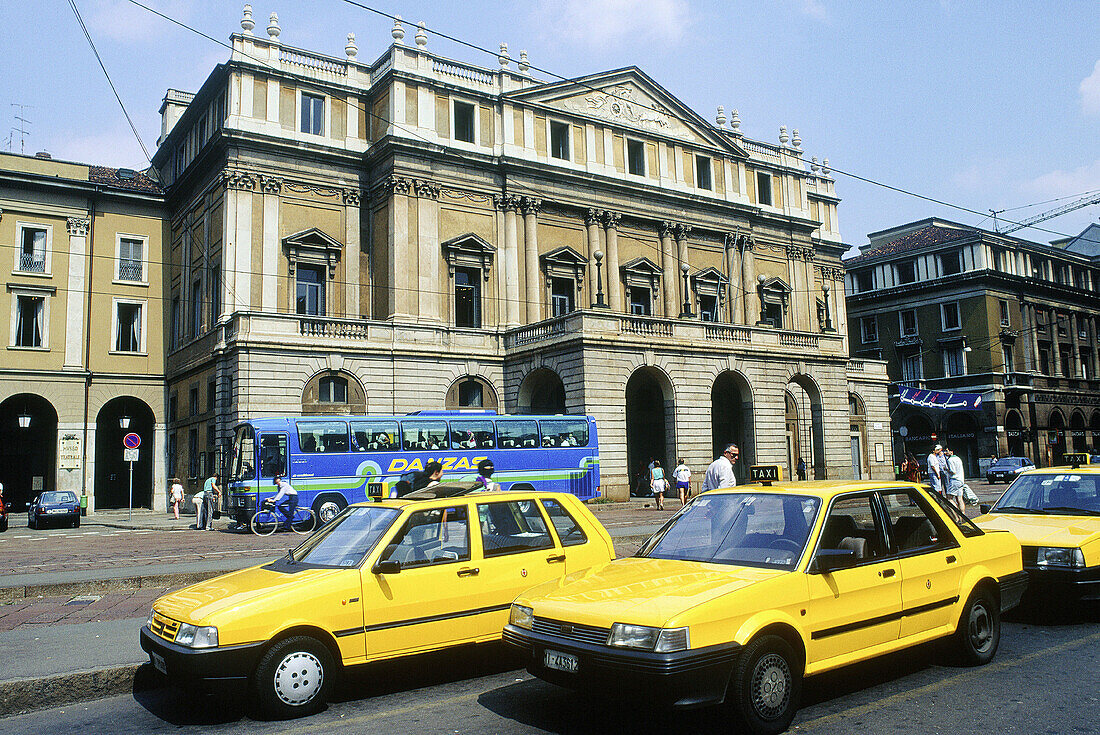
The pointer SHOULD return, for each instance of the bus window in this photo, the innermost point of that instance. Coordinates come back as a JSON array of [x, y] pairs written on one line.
[[472, 435], [424, 435], [521, 434], [564, 433], [374, 436], [322, 436], [272, 455], [244, 450]]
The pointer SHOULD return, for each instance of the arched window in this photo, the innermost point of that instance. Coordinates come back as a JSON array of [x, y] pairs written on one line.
[[332, 392], [471, 392], [332, 389]]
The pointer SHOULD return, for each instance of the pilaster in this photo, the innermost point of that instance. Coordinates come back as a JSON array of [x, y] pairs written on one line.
[[77, 286]]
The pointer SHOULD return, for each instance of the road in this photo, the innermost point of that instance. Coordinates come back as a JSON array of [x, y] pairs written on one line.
[[1042, 681]]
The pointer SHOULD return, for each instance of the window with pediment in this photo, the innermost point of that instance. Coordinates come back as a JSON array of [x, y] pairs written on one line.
[[564, 270], [642, 281], [775, 297], [709, 286], [469, 260]]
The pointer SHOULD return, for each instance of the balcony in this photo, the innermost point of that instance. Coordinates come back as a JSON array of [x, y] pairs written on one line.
[[130, 270], [32, 262]]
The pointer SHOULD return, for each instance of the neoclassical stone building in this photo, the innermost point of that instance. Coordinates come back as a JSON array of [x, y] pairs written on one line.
[[418, 232]]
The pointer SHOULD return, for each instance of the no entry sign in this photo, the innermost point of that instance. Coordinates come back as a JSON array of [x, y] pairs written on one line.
[[131, 441]]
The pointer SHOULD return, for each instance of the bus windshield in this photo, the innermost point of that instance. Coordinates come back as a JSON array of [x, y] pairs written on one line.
[[244, 453]]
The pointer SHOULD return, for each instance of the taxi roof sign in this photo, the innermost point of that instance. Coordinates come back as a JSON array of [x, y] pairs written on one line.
[[1076, 460], [765, 474]]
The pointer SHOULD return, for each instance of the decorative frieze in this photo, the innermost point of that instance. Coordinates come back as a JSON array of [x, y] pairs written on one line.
[[270, 184], [78, 226], [237, 179]]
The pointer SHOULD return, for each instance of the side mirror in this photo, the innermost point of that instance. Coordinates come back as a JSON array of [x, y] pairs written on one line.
[[389, 566], [828, 560], [984, 507]]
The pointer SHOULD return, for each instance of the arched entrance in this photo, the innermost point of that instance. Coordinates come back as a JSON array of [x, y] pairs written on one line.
[[1055, 439], [542, 392], [112, 474], [1014, 429], [731, 418], [28, 448], [650, 411], [1077, 432], [793, 443], [811, 424], [918, 437], [961, 435]]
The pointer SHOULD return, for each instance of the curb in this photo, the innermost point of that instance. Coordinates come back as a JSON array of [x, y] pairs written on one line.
[[112, 584], [18, 696]]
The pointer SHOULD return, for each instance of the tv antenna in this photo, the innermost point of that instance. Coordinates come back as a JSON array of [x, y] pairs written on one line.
[[23, 121]]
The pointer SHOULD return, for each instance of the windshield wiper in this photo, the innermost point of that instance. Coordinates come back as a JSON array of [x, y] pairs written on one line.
[[290, 556], [1086, 511], [1017, 509]]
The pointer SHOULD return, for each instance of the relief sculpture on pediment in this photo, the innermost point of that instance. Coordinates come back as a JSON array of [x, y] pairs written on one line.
[[623, 104]]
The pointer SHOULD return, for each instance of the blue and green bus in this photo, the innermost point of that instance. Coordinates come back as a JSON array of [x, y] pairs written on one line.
[[337, 460]]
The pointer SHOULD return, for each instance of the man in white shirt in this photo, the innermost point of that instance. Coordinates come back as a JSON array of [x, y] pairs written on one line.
[[720, 472], [937, 470], [286, 500]]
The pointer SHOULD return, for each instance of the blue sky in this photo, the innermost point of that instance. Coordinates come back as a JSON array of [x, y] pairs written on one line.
[[982, 104]]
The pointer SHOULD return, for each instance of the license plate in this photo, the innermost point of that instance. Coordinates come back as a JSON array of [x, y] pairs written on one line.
[[158, 662], [560, 661], [57, 510]]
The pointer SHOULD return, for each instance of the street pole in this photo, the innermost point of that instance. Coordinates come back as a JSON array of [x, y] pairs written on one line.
[[130, 515]]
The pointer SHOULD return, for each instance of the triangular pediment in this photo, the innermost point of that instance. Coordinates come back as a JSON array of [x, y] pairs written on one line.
[[565, 255], [776, 285], [642, 265], [709, 275], [314, 238], [469, 243], [630, 99]]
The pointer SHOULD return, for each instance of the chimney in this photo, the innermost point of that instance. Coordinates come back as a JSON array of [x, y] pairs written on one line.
[[172, 107], [45, 155]]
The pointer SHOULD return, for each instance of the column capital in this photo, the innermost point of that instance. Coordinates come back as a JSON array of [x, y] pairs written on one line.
[[531, 205], [426, 189], [506, 202], [611, 220], [592, 217], [237, 179], [681, 231], [78, 226], [351, 197], [397, 185], [665, 229], [270, 184], [800, 252]]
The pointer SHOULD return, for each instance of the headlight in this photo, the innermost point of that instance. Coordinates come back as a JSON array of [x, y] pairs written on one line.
[[522, 617], [659, 640], [149, 622], [195, 637], [1050, 556]]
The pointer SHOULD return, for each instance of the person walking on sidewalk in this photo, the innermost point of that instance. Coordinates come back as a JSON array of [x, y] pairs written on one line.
[[177, 496], [683, 480], [937, 469], [955, 480], [720, 472], [211, 493], [657, 483]]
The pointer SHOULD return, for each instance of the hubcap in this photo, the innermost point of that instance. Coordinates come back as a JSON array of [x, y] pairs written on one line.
[[328, 511], [771, 686], [298, 678], [981, 628]]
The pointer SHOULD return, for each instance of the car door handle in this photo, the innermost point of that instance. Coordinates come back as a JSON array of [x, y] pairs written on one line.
[[951, 560], [468, 572], [555, 558], [887, 573]]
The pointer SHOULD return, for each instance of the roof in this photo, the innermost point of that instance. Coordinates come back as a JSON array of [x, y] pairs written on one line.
[[111, 177], [922, 238], [824, 489]]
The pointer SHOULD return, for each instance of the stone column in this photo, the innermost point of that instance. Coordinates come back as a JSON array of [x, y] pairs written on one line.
[[351, 254], [1052, 323], [76, 285], [511, 261], [592, 227], [614, 284], [671, 272], [733, 274], [682, 233], [271, 186], [531, 207], [1075, 360], [748, 281], [430, 300], [399, 286]]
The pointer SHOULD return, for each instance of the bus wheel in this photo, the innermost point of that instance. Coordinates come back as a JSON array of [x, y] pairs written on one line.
[[328, 506]]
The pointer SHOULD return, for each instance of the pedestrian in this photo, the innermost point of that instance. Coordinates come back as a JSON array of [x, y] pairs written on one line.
[[286, 500], [801, 469], [910, 468], [683, 480], [431, 475], [211, 493], [176, 490], [720, 472], [485, 476], [955, 480], [658, 483], [641, 481], [937, 469]]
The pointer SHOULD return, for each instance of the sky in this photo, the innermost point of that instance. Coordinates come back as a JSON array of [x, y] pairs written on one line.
[[983, 104]]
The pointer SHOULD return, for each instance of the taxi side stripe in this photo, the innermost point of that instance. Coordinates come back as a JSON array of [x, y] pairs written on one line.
[[879, 620], [421, 621]]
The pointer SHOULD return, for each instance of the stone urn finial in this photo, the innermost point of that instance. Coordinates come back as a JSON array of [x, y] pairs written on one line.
[[398, 31], [814, 165], [421, 36], [273, 29], [735, 122], [524, 64], [351, 49], [796, 139], [247, 24], [720, 118], [825, 167], [504, 58], [783, 137]]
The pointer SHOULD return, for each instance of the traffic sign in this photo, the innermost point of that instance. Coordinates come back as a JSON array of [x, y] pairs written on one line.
[[130, 455], [131, 441]]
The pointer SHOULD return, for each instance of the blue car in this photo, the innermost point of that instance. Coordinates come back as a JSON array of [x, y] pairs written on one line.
[[1005, 469], [54, 507]]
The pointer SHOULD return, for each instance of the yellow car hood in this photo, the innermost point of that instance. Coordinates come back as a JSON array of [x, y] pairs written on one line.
[[641, 591], [1044, 530], [200, 602]]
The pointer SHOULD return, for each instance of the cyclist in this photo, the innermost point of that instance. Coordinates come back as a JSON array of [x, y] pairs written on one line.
[[286, 500]]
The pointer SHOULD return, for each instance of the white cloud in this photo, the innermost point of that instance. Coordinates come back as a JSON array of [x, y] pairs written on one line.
[[1090, 92], [1064, 183], [611, 22], [815, 9]]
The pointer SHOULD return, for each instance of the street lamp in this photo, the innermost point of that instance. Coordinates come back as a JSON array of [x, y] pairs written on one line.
[[686, 313], [598, 255], [24, 420], [124, 422]]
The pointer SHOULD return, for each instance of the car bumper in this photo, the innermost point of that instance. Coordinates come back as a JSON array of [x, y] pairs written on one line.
[[222, 664], [67, 515], [1012, 588], [689, 678], [1082, 584]]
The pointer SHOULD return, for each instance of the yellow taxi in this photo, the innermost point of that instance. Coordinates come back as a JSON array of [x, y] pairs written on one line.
[[746, 590], [382, 580], [1055, 513]]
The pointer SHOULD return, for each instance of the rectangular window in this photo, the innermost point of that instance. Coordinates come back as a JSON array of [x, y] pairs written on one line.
[[215, 292], [171, 454], [174, 326], [640, 301], [1086, 362], [869, 326], [773, 315], [561, 296], [912, 368], [472, 434], [559, 140], [131, 252], [467, 297], [1067, 363], [950, 313], [906, 271], [424, 435], [564, 432], [953, 361], [708, 308], [313, 114], [1044, 361], [29, 325], [512, 528], [864, 280], [1006, 358], [464, 122], [909, 323], [763, 188], [273, 455], [471, 394], [196, 308], [1062, 320], [1005, 321], [32, 249], [951, 263], [172, 402], [211, 394], [323, 436], [375, 436], [635, 157], [193, 401], [518, 434], [128, 328], [702, 173], [310, 297], [332, 389]]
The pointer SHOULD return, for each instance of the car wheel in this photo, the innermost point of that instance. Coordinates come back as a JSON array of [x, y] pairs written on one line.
[[327, 507], [76, 522], [979, 631], [766, 686], [4, 523], [293, 678], [31, 523]]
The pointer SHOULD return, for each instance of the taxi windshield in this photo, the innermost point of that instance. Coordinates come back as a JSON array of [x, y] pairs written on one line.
[[347, 538], [748, 529], [1054, 493]]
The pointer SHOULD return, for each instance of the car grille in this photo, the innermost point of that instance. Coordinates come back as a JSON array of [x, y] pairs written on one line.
[[164, 627], [572, 631]]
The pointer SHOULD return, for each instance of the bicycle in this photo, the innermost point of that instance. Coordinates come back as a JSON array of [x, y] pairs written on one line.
[[268, 518]]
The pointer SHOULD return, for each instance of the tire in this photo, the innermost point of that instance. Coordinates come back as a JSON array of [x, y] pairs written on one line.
[[76, 522], [304, 521], [979, 631], [327, 506], [293, 678], [765, 686], [263, 523], [31, 523], [4, 524]]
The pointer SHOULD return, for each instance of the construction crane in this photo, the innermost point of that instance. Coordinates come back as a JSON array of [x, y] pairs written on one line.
[[1093, 198]]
